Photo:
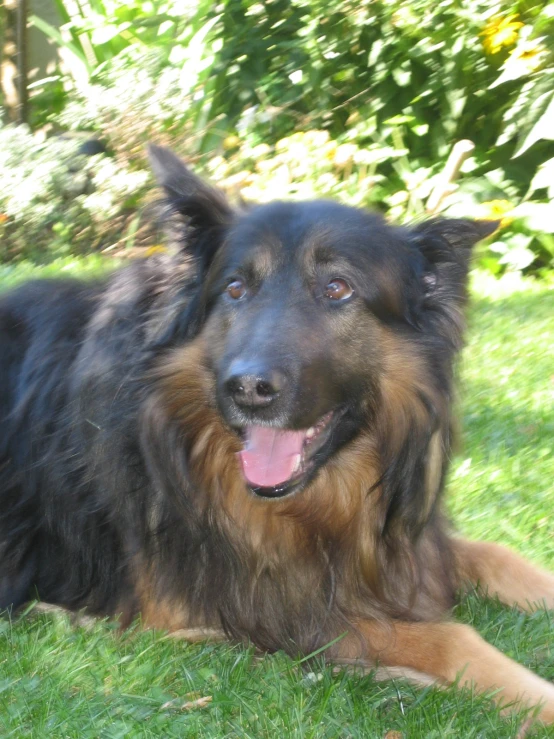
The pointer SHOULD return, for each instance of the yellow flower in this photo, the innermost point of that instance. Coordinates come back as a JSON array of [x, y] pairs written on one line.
[[329, 150], [497, 210], [157, 249], [231, 142], [500, 32]]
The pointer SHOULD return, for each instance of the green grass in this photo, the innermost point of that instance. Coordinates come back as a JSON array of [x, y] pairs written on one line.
[[92, 265], [61, 681]]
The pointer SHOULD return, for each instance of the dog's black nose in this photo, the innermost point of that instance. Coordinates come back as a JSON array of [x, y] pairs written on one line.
[[251, 389]]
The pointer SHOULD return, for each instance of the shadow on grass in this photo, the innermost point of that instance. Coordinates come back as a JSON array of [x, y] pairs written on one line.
[[506, 369]]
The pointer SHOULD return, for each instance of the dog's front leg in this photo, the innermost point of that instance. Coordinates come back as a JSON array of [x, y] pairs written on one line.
[[498, 571], [445, 652]]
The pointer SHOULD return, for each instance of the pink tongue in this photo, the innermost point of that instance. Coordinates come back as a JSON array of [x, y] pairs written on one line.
[[270, 456]]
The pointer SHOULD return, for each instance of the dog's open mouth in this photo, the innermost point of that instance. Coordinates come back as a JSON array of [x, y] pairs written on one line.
[[276, 461]]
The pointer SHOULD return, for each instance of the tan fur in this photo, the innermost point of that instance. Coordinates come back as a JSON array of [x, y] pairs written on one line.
[[497, 571], [199, 634], [405, 377], [157, 612], [337, 504], [450, 652], [427, 653], [434, 469], [328, 505], [404, 385]]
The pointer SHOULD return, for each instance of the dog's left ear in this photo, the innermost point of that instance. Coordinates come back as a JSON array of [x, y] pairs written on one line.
[[204, 209], [446, 245], [203, 216], [444, 237]]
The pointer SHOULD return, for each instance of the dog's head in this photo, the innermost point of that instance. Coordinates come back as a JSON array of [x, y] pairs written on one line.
[[316, 314]]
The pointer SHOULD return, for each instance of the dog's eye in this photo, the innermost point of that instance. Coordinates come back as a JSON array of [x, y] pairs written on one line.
[[236, 289], [338, 289]]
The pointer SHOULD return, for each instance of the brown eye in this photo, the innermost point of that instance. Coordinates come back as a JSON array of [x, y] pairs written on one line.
[[338, 289], [236, 289]]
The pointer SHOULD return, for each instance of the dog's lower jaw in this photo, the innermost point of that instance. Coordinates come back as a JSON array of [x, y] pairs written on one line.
[[279, 491]]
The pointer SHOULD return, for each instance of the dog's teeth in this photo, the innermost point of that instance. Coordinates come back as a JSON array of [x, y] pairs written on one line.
[[297, 463], [310, 433]]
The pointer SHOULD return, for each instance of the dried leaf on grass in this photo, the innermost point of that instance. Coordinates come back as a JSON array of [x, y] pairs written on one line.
[[190, 705]]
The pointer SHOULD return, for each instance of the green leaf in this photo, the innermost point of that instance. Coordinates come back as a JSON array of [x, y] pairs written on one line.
[[518, 258], [547, 242], [544, 178], [517, 255], [402, 76], [105, 33], [62, 11], [543, 129], [196, 51]]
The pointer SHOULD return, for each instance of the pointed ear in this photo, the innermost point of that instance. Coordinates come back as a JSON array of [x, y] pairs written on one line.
[[444, 258], [204, 210], [451, 240], [446, 246]]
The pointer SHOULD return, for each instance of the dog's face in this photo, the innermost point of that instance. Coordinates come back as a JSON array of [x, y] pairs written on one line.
[[302, 302], [298, 294]]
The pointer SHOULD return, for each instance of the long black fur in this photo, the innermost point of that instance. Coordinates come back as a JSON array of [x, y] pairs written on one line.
[[87, 487]]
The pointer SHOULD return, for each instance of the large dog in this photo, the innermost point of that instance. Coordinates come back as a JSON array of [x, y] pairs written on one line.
[[250, 440]]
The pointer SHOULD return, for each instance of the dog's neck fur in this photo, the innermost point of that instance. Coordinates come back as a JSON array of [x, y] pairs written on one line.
[[317, 542]]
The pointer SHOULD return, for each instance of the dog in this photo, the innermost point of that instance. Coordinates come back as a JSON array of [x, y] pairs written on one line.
[[249, 440]]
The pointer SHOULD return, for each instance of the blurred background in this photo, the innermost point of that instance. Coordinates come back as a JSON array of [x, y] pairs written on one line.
[[362, 100]]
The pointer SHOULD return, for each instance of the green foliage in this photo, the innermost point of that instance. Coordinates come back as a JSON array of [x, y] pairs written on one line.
[[403, 82], [67, 682], [83, 267], [111, 41], [54, 201], [400, 82], [96, 33]]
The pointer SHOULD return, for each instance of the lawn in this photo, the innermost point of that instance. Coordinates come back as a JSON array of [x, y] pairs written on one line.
[[62, 681]]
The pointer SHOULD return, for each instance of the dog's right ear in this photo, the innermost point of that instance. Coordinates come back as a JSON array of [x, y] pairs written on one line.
[[205, 210]]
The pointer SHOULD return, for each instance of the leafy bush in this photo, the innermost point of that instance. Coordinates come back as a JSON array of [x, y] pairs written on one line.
[[54, 201], [402, 82], [99, 31], [154, 57], [357, 98]]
